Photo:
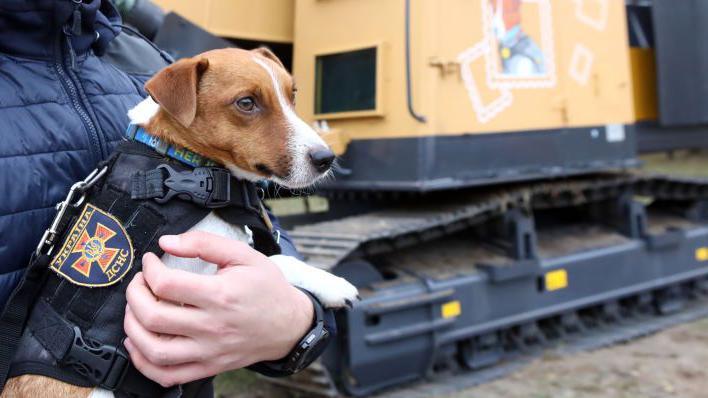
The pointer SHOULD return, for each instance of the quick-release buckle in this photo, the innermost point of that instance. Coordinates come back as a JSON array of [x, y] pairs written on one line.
[[102, 364], [206, 186]]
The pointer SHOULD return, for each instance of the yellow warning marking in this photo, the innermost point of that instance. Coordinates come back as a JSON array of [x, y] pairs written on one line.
[[451, 309], [702, 254], [556, 280]]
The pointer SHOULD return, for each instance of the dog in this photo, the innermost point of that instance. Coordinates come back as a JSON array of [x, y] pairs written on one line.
[[235, 107]]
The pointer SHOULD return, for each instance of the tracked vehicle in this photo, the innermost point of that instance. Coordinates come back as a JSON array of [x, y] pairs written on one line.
[[487, 201]]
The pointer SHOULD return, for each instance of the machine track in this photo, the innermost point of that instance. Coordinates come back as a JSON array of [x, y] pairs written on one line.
[[393, 232], [327, 244]]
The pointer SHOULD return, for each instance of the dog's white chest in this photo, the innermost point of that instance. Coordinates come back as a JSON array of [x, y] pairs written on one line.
[[213, 224]]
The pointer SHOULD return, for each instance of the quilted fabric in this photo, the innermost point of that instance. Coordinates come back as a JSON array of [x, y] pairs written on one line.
[[62, 109]]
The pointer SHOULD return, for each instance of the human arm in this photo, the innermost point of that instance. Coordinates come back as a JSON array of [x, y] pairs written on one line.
[[246, 313]]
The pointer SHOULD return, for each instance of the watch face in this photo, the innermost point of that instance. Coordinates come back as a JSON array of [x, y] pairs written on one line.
[[309, 348]]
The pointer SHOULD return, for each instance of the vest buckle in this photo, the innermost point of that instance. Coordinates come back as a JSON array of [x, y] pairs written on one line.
[[206, 186], [102, 364]]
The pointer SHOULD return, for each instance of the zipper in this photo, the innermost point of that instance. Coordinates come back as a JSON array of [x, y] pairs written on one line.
[[70, 82]]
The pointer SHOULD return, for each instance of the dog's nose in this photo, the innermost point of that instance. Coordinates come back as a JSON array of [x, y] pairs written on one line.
[[321, 158]]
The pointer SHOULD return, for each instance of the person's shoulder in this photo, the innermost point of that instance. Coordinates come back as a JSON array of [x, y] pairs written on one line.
[[135, 55]]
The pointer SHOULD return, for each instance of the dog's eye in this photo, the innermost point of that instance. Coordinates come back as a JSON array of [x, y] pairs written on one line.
[[246, 104]]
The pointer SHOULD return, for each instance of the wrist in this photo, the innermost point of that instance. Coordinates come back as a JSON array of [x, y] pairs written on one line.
[[300, 322]]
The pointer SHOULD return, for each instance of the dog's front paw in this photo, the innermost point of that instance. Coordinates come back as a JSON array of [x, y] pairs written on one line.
[[332, 291]]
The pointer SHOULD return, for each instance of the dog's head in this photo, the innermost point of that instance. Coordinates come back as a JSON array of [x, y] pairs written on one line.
[[236, 107]]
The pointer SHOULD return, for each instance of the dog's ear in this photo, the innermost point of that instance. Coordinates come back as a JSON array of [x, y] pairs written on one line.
[[175, 88], [266, 53]]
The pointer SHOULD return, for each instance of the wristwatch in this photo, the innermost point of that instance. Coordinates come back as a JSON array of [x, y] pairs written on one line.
[[305, 351]]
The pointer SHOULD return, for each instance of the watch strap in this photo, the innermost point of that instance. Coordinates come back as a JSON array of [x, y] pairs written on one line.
[[306, 351]]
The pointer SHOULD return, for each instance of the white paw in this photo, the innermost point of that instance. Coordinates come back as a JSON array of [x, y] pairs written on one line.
[[332, 291]]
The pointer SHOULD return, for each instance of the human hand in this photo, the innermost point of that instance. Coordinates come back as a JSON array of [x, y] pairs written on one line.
[[182, 326]]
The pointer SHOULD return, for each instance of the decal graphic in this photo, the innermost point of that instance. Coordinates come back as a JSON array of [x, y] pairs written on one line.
[[522, 33], [97, 251], [484, 112], [593, 13], [581, 64], [518, 52]]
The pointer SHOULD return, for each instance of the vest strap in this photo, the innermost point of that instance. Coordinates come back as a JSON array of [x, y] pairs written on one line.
[[14, 316], [103, 365]]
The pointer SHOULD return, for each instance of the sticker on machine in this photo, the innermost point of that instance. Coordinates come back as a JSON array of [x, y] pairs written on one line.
[[96, 252], [615, 132]]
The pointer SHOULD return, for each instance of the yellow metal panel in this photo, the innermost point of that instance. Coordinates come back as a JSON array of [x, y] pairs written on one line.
[[459, 79], [593, 61], [326, 26], [196, 11], [262, 20], [451, 309], [556, 280], [268, 20], [644, 83]]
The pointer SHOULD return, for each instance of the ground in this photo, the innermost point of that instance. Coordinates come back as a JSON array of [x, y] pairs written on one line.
[[668, 364]]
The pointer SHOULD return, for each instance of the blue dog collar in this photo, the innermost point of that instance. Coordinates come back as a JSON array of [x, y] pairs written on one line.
[[184, 155]]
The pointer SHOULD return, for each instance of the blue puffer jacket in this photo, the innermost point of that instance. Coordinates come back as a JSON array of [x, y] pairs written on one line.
[[62, 108]]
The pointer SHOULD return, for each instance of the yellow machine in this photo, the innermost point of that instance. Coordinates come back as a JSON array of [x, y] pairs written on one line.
[[459, 83], [390, 74], [482, 201]]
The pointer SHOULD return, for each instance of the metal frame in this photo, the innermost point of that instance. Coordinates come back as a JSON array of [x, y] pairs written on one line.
[[439, 162], [398, 332], [652, 137]]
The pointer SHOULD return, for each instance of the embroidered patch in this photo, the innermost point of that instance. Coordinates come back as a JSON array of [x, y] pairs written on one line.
[[97, 252]]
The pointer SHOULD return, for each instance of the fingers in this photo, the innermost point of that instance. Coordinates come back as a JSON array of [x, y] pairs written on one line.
[[161, 316], [167, 375], [209, 247], [161, 350], [177, 285]]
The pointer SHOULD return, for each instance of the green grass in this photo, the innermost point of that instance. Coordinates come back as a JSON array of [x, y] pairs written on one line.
[[244, 384]]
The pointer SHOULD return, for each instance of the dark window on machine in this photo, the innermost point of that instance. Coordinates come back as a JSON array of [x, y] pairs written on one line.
[[346, 82], [641, 30]]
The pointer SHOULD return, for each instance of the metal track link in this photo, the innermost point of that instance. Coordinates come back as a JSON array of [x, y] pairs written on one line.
[[326, 244]]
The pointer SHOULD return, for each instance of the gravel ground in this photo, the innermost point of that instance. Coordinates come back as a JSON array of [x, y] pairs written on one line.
[[668, 364]]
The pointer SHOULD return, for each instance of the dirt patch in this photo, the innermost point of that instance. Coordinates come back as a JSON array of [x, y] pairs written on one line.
[[668, 364]]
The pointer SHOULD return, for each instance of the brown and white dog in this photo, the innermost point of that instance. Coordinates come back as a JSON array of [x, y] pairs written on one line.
[[235, 107]]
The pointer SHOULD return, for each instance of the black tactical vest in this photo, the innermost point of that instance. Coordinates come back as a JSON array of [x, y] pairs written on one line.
[[65, 319]]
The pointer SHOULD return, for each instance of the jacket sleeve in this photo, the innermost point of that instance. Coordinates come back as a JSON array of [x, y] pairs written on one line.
[[288, 248]]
